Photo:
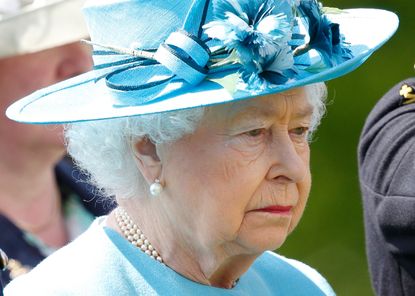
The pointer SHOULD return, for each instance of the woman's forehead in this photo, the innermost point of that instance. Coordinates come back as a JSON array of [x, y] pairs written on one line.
[[294, 102]]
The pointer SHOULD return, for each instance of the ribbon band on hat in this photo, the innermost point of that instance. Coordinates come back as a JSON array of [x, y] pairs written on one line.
[[185, 56], [182, 55]]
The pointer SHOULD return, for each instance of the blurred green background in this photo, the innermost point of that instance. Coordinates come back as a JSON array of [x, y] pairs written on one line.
[[330, 236]]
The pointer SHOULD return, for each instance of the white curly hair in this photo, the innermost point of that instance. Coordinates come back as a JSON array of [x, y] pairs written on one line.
[[104, 150]]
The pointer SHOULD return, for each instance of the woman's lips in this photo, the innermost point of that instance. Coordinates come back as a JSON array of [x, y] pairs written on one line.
[[276, 209]]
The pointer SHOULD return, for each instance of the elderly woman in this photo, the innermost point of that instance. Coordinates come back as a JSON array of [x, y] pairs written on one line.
[[207, 181]]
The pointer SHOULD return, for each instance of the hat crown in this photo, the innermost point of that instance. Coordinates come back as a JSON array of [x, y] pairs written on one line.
[[142, 24], [178, 41], [10, 7]]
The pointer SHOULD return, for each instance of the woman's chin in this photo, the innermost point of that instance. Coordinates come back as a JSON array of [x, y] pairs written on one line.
[[265, 241], [264, 232], [274, 243]]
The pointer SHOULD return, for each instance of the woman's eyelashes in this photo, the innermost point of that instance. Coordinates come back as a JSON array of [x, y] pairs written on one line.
[[257, 136], [255, 133], [299, 133]]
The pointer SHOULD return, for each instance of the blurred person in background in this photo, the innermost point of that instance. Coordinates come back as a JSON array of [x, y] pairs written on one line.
[[42, 206], [387, 179]]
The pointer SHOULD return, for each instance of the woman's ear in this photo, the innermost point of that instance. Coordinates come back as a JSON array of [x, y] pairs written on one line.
[[147, 159]]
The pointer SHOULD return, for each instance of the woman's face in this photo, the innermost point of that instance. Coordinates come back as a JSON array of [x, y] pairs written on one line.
[[242, 180]]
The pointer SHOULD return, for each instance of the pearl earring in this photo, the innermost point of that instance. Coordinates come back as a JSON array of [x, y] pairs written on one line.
[[156, 188]]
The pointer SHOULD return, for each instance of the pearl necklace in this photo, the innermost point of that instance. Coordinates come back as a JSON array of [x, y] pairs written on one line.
[[134, 235]]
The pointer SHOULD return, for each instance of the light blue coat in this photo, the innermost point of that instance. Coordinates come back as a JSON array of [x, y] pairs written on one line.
[[100, 262]]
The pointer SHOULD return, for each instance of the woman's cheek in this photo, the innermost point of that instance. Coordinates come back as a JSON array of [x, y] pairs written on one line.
[[248, 150], [304, 192], [303, 150]]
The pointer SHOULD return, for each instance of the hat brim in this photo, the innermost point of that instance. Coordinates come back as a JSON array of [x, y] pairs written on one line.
[[81, 99], [38, 28]]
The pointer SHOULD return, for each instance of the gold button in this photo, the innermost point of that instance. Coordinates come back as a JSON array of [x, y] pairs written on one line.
[[408, 94]]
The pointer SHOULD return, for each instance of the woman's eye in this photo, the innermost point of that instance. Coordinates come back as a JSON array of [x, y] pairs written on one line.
[[300, 131], [255, 132]]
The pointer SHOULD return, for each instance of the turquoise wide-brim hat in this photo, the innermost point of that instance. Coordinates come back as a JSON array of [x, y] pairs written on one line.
[[158, 56]]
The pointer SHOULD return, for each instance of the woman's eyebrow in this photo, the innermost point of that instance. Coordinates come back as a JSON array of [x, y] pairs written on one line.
[[250, 113], [264, 113], [304, 111]]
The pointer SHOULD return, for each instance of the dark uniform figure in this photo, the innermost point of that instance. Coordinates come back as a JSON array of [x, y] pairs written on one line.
[[387, 179], [22, 254]]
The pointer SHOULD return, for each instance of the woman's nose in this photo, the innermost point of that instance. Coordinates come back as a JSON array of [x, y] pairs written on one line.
[[288, 165], [76, 59]]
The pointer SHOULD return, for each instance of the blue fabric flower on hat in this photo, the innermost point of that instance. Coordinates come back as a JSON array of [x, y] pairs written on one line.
[[259, 31], [324, 35]]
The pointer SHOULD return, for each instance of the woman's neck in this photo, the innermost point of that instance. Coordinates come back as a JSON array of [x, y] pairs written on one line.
[[220, 266]]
